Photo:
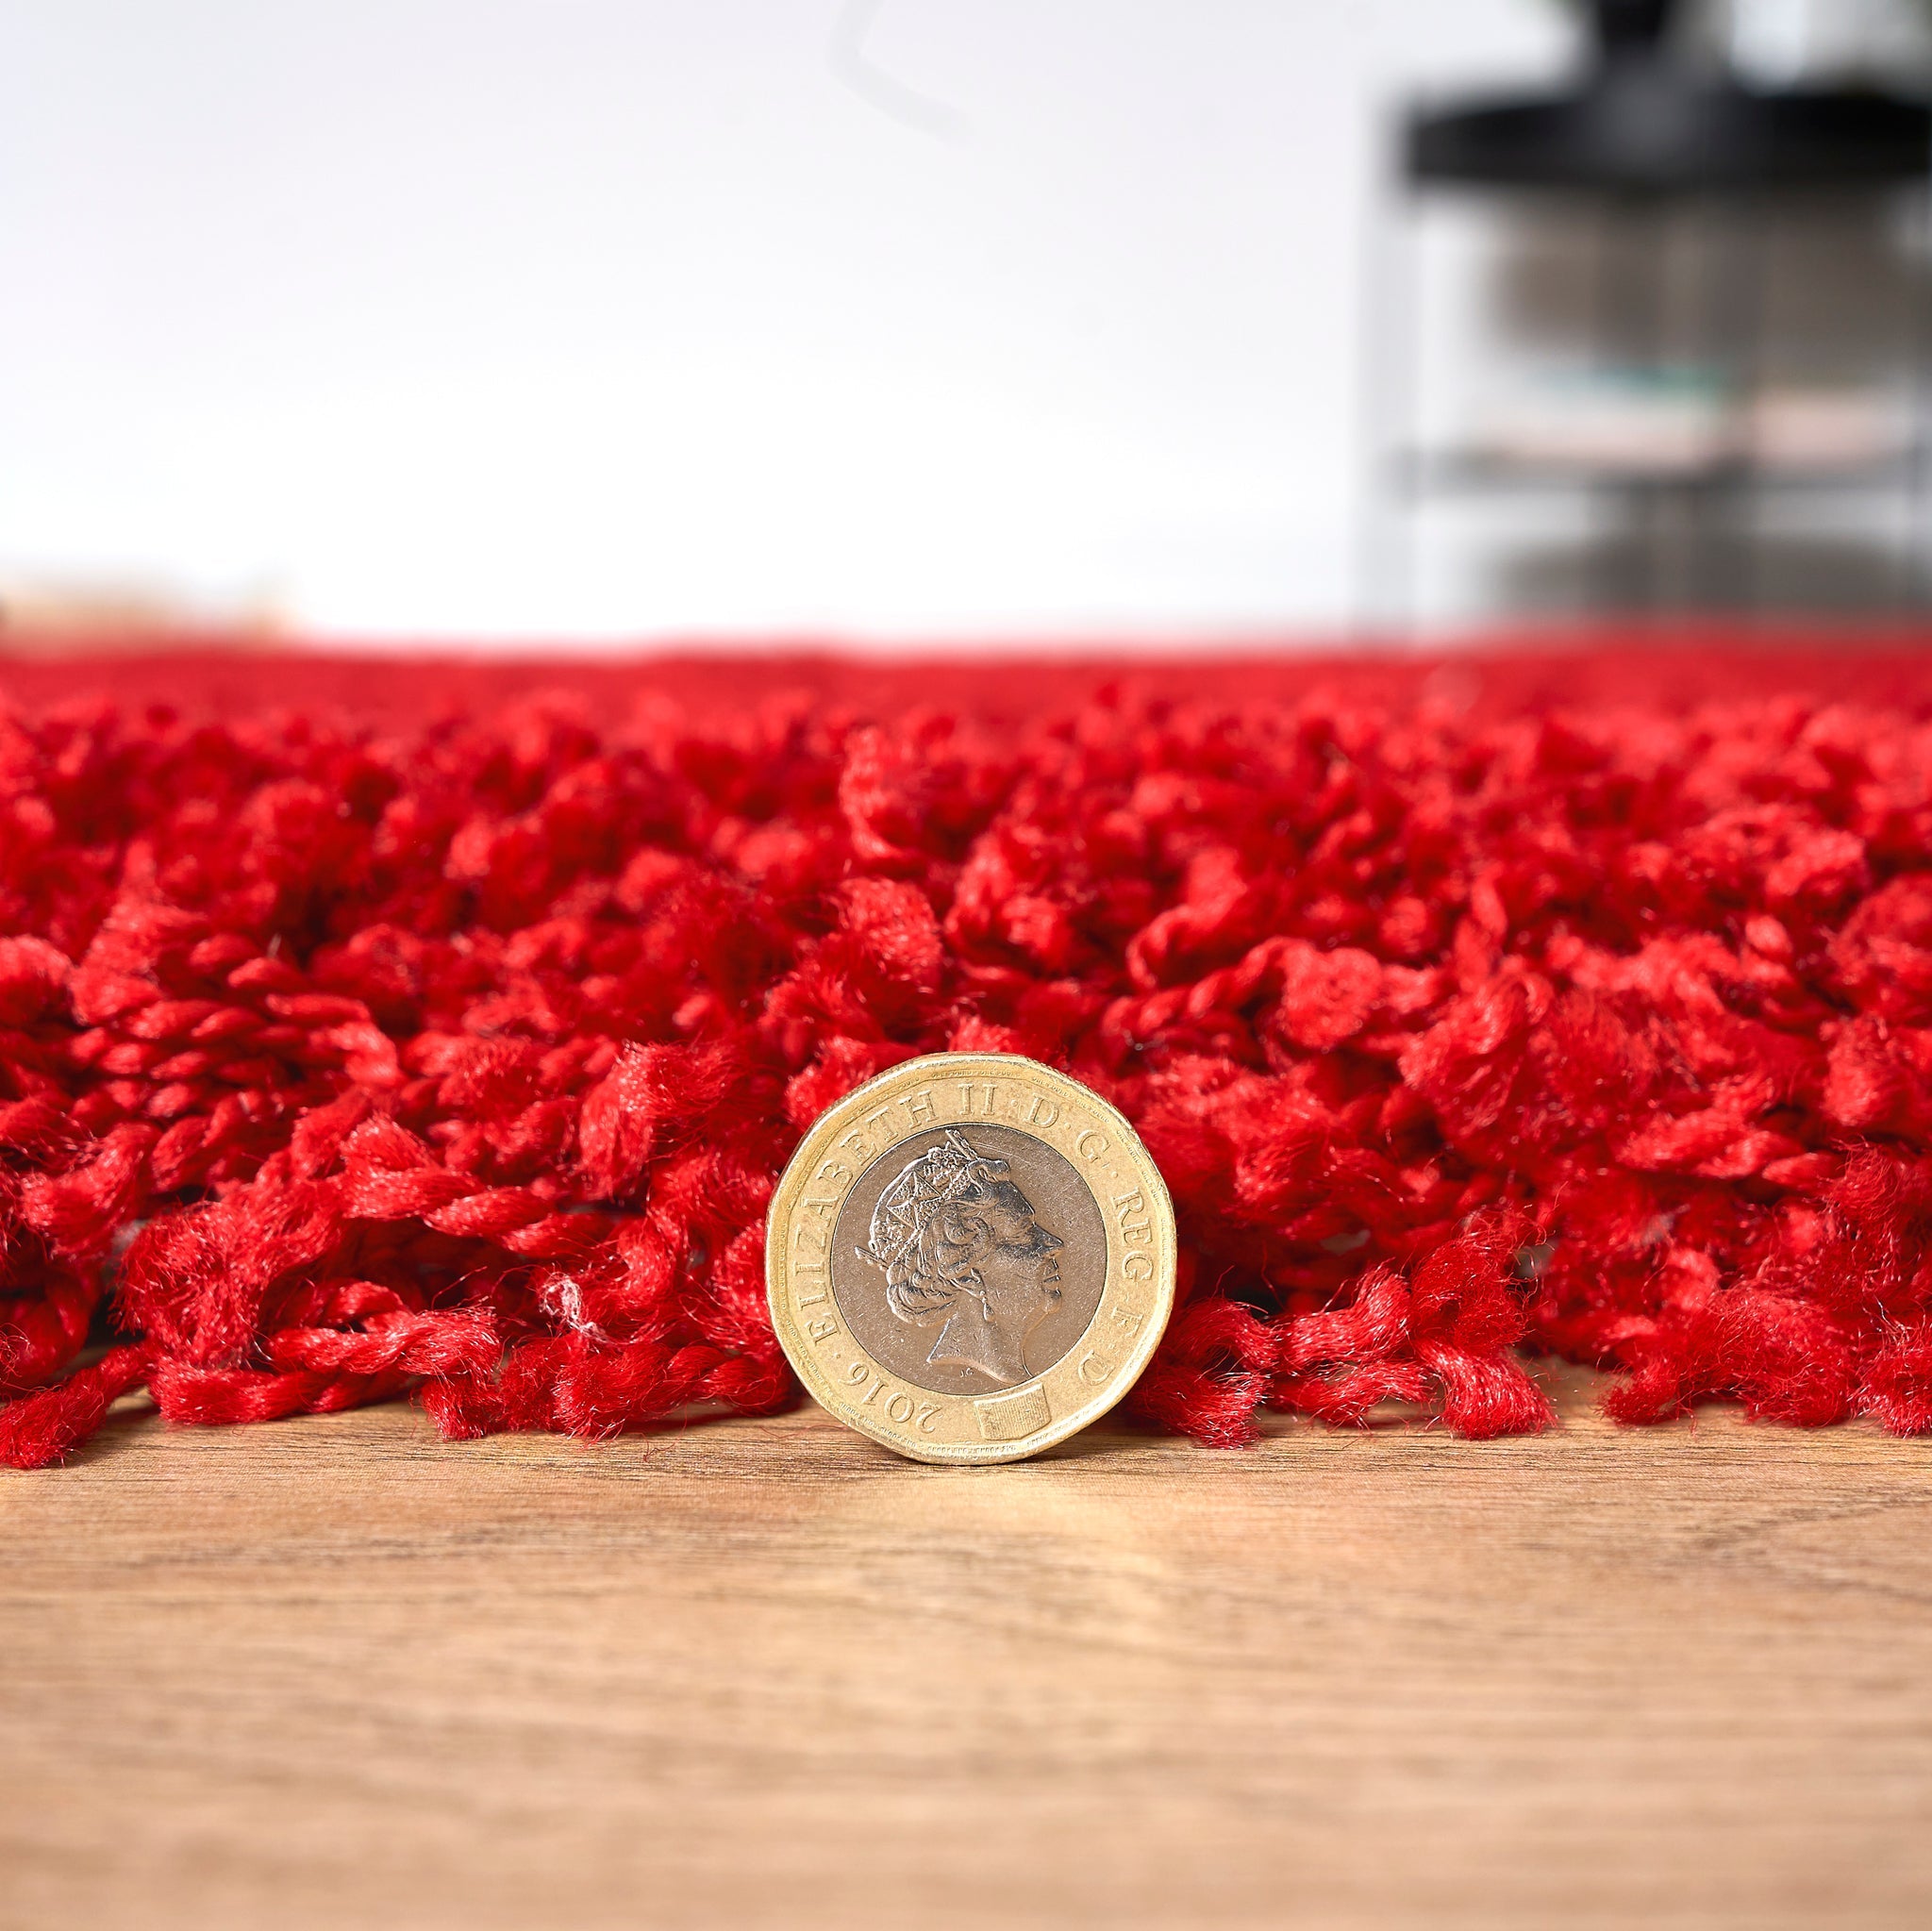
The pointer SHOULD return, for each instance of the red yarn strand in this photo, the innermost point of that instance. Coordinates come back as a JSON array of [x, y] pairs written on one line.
[[340, 1057]]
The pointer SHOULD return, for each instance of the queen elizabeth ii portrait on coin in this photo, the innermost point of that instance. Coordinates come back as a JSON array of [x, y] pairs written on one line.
[[962, 1250]]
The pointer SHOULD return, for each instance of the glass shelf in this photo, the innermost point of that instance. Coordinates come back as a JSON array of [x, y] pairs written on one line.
[[1447, 471]]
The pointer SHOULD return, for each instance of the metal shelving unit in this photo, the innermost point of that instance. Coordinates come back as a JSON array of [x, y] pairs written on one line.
[[1642, 143]]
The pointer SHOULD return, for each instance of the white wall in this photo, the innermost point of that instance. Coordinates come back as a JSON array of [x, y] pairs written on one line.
[[600, 318]]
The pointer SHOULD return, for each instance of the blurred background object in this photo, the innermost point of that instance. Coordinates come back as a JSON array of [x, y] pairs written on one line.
[[96, 610], [613, 319], [1708, 321]]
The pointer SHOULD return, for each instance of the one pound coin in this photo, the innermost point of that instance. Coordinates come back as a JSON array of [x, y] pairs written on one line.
[[970, 1258]]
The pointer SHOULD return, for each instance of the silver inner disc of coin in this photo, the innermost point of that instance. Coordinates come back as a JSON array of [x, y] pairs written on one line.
[[968, 1258]]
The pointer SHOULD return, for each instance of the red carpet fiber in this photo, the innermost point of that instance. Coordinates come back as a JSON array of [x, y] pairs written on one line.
[[368, 1028]]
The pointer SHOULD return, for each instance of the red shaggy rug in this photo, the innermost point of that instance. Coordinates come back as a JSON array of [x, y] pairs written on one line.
[[367, 1028]]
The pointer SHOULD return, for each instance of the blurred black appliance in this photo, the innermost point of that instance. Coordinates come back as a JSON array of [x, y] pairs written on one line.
[[1646, 138]]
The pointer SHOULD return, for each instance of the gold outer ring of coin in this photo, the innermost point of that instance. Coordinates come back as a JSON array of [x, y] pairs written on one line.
[[973, 1403]]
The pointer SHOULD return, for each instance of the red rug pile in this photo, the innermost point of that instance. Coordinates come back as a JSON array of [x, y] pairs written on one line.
[[367, 1028]]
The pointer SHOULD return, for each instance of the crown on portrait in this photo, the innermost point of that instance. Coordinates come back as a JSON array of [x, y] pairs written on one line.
[[936, 1178]]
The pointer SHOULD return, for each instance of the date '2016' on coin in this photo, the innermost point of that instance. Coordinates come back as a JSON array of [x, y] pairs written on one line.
[[970, 1258]]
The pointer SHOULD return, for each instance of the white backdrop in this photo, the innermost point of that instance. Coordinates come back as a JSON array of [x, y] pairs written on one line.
[[609, 318]]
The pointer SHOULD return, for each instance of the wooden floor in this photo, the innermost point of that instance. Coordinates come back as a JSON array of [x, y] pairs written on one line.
[[338, 1673]]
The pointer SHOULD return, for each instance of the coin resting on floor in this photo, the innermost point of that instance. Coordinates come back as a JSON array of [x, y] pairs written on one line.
[[970, 1257]]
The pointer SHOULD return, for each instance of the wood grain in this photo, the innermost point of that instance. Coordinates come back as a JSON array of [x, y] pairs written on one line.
[[338, 1673]]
